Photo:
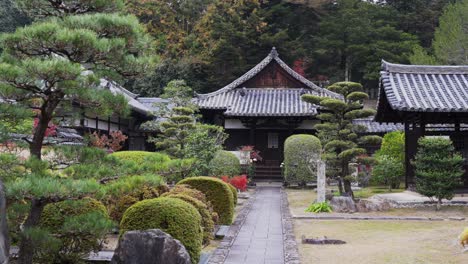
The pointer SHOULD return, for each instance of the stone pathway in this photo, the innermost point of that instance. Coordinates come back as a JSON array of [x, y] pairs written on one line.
[[260, 240]]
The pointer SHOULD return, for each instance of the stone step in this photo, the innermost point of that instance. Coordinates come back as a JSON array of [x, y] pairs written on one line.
[[222, 231]]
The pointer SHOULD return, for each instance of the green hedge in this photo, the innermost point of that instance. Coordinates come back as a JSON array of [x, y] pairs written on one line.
[[300, 153], [174, 216], [234, 193], [225, 163], [139, 157], [218, 194], [184, 189], [206, 219], [126, 191], [75, 227]]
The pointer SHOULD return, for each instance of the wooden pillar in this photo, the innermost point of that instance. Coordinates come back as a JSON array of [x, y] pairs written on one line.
[[409, 174], [412, 135]]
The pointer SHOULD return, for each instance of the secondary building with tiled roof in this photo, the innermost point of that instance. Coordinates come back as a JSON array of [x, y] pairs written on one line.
[[428, 100]]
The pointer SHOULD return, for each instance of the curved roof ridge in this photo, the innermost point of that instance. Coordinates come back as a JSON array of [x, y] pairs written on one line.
[[439, 69], [273, 55]]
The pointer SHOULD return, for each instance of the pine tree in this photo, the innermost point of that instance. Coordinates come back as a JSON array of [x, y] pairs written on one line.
[[54, 63], [438, 169], [339, 136], [450, 44], [354, 37]]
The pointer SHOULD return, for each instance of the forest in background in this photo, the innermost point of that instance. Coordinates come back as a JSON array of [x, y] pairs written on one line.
[[209, 43]]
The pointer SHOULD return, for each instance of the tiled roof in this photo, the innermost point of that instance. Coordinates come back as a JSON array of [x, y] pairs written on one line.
[[150, 102], [416, 88], [376, 127], [239, 101], [261, 102], [131, 97]]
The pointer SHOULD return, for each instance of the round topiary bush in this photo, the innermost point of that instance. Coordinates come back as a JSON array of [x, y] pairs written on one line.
[[217, 193], [224, 163], [300, 155], [174, 216], [184, 189], [139, 157], [76, 228], [126, 191], [206, 219], [234, 193]]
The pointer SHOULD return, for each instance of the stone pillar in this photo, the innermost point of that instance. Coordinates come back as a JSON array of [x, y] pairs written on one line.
[[321, 181], [4, 243]]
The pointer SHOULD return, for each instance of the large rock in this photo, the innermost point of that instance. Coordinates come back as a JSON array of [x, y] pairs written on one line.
[[372, 205], [150, 247], [343, 204], [4, 244]]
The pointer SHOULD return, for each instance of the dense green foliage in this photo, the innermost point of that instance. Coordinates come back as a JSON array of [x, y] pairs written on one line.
[[126, 191], [355, 36], [202, 144], [225, 163], [55, 63], [76, 227], [178, 218], [217, 193], [339, 136], [209, 43], [206, 218], [390, 160], [301, 153], [388, 171], [438, 169], [139, 157], [450, 43], [234, 193]]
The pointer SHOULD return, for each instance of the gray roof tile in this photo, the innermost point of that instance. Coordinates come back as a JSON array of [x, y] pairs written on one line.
[[264, 101], [416, 88]]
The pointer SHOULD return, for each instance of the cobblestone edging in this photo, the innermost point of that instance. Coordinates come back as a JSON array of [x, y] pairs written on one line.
[[399, 218], [220, 254], [291, 252]]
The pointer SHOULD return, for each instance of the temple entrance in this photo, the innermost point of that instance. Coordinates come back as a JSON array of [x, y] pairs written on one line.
[[270, 143]]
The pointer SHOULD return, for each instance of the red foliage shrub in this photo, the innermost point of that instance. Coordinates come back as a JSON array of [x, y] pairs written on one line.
[[114, 142], [240, 182], [51, 128]]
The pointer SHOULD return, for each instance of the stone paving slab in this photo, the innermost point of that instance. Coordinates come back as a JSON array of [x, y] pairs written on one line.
[[260, 239]]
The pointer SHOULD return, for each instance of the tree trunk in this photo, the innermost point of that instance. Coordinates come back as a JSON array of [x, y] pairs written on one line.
[[340, 185], [4, 241], [45, 116], [26, 247], [439, 204], [347, 188]]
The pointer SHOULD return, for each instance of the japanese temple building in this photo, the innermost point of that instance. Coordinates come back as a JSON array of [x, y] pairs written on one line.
[[262, 108], [429, 101]]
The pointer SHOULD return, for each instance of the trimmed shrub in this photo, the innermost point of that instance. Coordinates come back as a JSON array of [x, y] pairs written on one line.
[[184, 189], [206, 219], [438, 168], [233, 189], [225, 163], [174, 216], [126, 191], [234, 193], [300, 155], [139, 157], [75, 227], [218, 194]]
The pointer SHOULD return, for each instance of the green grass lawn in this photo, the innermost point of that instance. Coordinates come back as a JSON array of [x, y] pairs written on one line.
[[372, 190], [372, 242]]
